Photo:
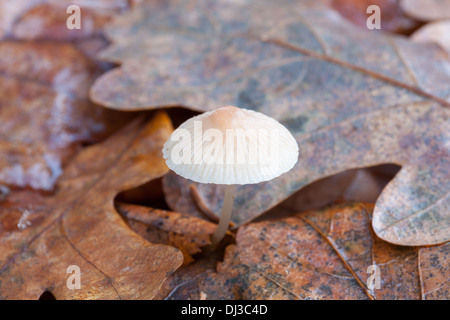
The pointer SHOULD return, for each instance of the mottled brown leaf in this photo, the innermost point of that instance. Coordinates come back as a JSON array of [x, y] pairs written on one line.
[[46, 19], [182, 231], [437, 32], [392, 17], [352, 185], [325, 255], [352, 98], [41, 236], [45, 113], [426, 10], [183, 284]]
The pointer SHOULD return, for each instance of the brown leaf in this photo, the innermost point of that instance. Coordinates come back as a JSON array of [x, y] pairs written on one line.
[[392, 17], [45, 113], [46, 19], [79, 225], [356, 185], [325, 255], [351, 98], [351, 185], [182, 231], [435, 32], [183, 284], [426, 10], [48, 22]]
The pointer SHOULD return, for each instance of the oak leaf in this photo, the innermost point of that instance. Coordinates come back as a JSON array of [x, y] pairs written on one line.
[[41, 236], [324, 254], [189, 234], [434, 32], [426, 11], [352, 98], [45, 113], [182, 231]]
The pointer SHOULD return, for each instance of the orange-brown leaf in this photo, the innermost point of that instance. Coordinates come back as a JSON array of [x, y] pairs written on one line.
[[326, 255], [80, 226]]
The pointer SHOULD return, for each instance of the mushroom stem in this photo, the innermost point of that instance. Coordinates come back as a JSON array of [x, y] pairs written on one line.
[[225, 217]]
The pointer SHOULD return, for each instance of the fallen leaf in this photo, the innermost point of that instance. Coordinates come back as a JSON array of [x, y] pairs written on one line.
[[45, 113], [182, 231], [79, 225], [46, 19], [10, 10], [392, 18], [426, 10], [183, 283], [325, 254], [356, 185], [435, 32], [364, 185], [350, 99]]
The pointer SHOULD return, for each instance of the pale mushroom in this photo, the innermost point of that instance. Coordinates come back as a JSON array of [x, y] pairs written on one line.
[[230, 146]]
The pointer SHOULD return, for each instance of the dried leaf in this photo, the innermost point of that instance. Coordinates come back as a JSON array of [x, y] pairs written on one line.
[[182, 231], [46, 19], [79, 225], [325, 255], [437, 32], [426, 10], [183, 283], [351, 100], [392, 17], [45, 113]]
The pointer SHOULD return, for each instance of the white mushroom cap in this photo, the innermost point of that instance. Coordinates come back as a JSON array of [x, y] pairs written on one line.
[[231, 146]]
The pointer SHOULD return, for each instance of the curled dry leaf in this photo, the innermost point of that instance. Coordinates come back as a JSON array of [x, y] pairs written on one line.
[[183, 283], [437, 32], [363, 185], [351, 98], [182, 231], [45, 113], [46, 20], [392, 16], [324, 255], [356, 185], [426, 10], [79, 225]]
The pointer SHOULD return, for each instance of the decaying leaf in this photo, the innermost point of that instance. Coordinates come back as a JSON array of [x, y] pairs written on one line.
[[426, 10], [182, 231], [437, 32], [326, 254], [183, 283], [41, 236], [352, 185], [46, 19], [392, 17], [351, 98], [45, 113]]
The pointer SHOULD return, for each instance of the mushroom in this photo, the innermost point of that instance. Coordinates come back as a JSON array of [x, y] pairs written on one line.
[[230, 146]]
